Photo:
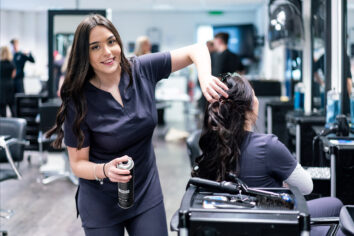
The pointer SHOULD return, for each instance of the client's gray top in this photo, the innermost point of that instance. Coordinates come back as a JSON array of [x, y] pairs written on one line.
[[111, 131]]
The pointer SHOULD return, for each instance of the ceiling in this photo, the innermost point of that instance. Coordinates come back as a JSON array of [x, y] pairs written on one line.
[[134, 5]]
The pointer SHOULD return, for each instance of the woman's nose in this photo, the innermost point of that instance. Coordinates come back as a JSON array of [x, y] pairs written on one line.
[[106, 50]]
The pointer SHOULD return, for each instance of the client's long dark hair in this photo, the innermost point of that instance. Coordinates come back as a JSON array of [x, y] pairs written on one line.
[[223, 131]]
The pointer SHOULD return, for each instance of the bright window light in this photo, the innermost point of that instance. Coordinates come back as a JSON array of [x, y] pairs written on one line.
[[204, 33]]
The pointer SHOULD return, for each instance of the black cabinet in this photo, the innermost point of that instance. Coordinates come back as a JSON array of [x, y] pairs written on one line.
[[275, 121]]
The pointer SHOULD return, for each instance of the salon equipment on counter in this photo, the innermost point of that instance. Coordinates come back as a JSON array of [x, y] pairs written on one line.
[[239, 187]]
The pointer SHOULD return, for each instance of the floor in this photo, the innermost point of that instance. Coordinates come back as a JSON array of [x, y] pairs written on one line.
[[50, 209]]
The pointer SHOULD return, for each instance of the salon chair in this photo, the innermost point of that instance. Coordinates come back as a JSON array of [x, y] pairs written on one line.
[[347, 219], [27, 108], [193, 149], [56, 165], [12, 135]]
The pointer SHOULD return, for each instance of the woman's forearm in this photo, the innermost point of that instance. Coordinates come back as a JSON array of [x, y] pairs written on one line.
[[201, 58], [87, 170], [198, 54]]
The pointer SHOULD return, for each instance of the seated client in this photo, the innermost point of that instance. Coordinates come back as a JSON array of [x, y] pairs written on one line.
[[260, 160]]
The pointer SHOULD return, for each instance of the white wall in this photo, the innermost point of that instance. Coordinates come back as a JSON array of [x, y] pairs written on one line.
[[177, 29], [31, 30]]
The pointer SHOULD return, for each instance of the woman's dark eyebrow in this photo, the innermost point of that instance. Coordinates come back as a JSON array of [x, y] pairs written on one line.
[[93, 43], [110, 37]]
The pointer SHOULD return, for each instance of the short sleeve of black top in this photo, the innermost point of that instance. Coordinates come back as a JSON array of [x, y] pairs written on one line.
[[112, 130], [265, 161]]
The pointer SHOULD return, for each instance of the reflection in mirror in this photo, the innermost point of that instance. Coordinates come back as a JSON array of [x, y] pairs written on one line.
[[293, 70], [286, 27], [318, 31], [63, 42]]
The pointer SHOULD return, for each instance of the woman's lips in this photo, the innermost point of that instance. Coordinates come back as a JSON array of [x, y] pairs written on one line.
[[109, 61]]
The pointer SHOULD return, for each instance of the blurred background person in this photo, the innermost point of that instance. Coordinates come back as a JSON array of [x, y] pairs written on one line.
[[223, 60], [20, 59], [142, 46], [7, 73]]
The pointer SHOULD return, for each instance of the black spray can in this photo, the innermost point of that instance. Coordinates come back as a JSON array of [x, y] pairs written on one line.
[[126, 190]]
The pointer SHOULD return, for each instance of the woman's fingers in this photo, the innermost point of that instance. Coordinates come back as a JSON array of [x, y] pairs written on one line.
[[120, 178], [214, 88], [220, 91], [220, 87], [212, 93], [118, 160], [115, 174], [117, 171]]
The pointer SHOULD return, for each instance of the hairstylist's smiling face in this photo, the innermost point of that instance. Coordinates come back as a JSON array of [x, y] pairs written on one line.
[[104, 51]]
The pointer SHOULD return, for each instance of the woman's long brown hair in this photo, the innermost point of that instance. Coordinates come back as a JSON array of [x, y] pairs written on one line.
[[79, 72], [224, 131]]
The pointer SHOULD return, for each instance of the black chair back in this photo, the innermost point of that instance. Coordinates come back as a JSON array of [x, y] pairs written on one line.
[[48, 112], [15, 128]]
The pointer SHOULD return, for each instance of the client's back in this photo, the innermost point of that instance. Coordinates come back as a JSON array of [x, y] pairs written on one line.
[[229, 145]]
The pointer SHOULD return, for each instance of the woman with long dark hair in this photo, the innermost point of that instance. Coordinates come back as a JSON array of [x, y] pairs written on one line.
[[108, 115], [7, 75], [260, 160]]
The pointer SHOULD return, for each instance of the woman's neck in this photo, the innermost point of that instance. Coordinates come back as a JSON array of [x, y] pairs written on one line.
[[107, 81], [248, 126]]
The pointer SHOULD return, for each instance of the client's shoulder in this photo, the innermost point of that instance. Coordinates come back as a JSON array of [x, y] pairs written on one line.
[[267, 139]]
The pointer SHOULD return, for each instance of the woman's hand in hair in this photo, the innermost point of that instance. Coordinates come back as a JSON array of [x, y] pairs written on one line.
[[213, 88], [198, 54], [117, 175]]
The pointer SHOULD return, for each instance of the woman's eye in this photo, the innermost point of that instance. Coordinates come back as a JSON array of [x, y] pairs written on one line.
[[112, 41], [95, 47]]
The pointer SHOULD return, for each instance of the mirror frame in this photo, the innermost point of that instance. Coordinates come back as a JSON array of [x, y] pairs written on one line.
[[51, 15], [344, 53]]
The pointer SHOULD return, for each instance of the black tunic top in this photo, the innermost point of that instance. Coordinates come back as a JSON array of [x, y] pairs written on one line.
[[6, 82], [111, 131], [225, 62], [20, 59]]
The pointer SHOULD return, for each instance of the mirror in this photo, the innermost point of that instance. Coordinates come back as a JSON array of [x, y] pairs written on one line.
[[61, 28], [318, 33]]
